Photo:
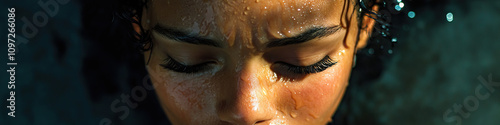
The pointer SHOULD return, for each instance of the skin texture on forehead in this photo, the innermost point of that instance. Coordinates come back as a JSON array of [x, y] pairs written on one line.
[[243, 89], [250, 22]]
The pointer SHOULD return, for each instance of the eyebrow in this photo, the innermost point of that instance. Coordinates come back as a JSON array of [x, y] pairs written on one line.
[[184, 37], [312, 33]]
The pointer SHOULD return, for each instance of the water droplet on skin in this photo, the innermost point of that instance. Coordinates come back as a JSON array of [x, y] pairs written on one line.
[[389, 51], [256, 1], [248, 8], [281, 34], [293, 114], [298, 102], [246, 13], [298, 9], [341, 52], [399, 1]]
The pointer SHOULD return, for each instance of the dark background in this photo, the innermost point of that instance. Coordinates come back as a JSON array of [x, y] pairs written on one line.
[[77, 64]]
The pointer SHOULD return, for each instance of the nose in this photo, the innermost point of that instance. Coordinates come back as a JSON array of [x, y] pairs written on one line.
[[245, 102]]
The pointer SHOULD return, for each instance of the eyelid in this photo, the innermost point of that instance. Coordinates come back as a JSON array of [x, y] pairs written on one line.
[[323, 59], [319, 66], [172, 64]]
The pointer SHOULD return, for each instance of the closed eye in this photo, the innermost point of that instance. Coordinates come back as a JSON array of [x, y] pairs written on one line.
[[320, 66], [171, 64]]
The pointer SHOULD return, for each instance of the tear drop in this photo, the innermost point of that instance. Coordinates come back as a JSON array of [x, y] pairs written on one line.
[[293, 114]]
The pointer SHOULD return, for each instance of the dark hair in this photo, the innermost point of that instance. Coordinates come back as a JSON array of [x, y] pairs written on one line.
[[130, 12]]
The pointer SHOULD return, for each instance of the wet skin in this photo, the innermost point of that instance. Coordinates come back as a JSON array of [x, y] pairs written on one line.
[[227, 61]]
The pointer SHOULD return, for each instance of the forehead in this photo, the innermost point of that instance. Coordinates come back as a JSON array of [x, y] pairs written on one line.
[[224, 17]]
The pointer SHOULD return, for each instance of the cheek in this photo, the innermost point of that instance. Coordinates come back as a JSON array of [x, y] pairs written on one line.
[[182, 98], [317, 97]]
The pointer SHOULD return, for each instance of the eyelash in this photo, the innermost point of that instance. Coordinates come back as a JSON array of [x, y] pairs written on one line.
[[320, 66], [176, 66]]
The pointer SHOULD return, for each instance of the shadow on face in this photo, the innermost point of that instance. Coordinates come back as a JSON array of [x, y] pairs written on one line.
[[248, 62]]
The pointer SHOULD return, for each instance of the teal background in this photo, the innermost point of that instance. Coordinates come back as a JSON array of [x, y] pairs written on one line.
[[77, 64]]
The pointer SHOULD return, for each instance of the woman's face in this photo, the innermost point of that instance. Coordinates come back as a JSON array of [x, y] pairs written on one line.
[[250, 61]]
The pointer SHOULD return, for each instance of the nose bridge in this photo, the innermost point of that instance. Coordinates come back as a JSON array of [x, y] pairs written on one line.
[[247, 96], [246, 105]]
